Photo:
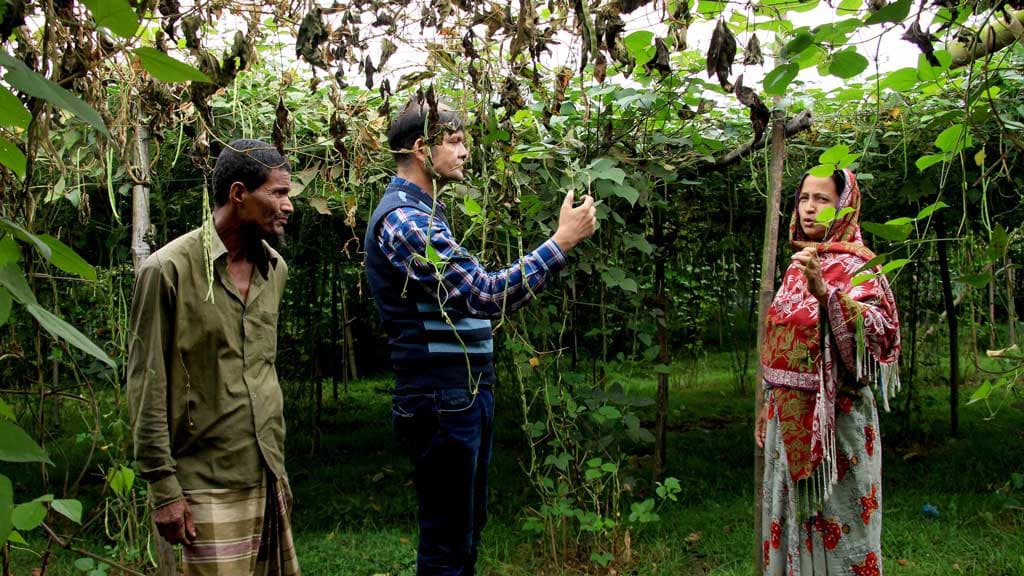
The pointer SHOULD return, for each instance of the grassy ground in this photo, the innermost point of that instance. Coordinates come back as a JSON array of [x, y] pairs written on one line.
[[355, 504]]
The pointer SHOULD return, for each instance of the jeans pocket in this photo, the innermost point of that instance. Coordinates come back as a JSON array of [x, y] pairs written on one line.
[[408, 406], [455, 400]]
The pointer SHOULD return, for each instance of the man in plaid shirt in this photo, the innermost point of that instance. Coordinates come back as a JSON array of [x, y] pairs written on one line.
[[435, 306]]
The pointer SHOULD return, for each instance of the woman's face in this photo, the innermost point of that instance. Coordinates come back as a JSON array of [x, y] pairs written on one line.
[[815, 194]]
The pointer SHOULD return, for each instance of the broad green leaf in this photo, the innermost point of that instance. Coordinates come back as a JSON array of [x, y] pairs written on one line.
[[21, 77], [629, 285], [895, 12], [12, 111], [870, 264], [121, 480], [17, 446], [776, 81], [900, 221], [25, 236], [13, 279], [928, 210], [847, 64], [433, 256], [118, 16], [848, 160], [977, 281], [900, 80], [800, 42], [6, 303], [13, 158], [84, 564], [70, 509], [167, 69], [834, 154], [628, 192], [888, 231], [826, 216], [28, 515], [609, 412], [929, 160], [6, 507], [472, 207], [638, 42], [926, 72], [604, 168], [953, 139], [982, 393], [9, 250], [638, 242], [894, 265], [63, 257], [849, 6], [822, 170], [61, 329]]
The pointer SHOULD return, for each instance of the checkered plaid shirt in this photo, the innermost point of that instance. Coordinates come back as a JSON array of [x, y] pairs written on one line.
[[403, 238]]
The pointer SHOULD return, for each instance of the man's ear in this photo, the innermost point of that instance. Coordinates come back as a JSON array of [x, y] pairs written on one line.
[[236, 192], [419, 150]]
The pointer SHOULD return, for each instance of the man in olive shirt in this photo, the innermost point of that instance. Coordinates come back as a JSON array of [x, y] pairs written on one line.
[[205, 402]]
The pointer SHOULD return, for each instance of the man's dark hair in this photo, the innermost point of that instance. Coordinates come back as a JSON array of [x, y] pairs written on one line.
[[418, 119], [247, 161]]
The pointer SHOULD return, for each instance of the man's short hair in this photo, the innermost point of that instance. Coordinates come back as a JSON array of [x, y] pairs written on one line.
[[415, 121], [247, 161]]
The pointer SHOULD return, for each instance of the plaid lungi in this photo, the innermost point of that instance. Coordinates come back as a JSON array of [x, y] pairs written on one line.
[[243, 532]]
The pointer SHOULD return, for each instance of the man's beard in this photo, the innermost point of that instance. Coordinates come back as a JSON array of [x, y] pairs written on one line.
[[255, 233]]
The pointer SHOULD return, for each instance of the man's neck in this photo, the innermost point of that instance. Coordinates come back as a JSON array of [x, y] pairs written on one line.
[[239, 245], [418, 176]]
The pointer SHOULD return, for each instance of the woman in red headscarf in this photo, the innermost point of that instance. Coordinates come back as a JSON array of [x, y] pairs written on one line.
[[831, 331]]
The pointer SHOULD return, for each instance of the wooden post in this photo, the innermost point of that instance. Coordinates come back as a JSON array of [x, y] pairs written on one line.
[[767, 291], [954, 335], [661, 312]]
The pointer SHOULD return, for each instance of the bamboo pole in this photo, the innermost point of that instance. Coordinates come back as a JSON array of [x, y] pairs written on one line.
[[767, 291]]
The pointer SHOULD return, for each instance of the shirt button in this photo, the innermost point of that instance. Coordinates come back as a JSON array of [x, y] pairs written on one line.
[[254, 395]]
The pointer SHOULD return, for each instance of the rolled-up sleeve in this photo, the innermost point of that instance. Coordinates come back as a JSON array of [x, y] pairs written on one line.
[[152, 319]]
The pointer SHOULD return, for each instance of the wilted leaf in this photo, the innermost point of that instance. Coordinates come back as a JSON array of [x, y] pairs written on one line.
[[721, 54]]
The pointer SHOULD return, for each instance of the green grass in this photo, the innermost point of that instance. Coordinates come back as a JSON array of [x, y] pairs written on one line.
[[355, 505]]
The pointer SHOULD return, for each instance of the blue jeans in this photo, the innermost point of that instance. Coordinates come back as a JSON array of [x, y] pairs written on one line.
[[447, 435]]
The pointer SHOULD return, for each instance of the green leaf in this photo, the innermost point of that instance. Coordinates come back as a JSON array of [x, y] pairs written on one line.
[[118, 16], [928, 210], [862, 278], [25, 236], [888, 231], [953, 139], [70, 509], [28, 515], [17, 446], [21, 77], [6, 303], [895, 12], [847, 64], [822, 170], [472, 207], [849, 6], [14, 281], [604, 168], [433, 256], [870, 264], [776, 81], [826, 216], [637, 242], [638, 42], [609, 412], [163, 67], [893, 265], [61, 329], [12, 111], [13, 158], [900, 80], [9, 251], [6, 507], [627, 192], [982, 393], [929, 160], [834, 154], [66, 259], [84, 564], [121, 480], [800, 42]]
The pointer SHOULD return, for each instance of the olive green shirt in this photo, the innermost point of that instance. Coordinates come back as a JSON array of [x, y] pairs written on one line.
[[206, 406]]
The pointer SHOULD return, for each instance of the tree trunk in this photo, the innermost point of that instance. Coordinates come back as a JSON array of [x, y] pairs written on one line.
[[350, 345], [337, 362], [140, 197], [915, 289], [954, 344], [767, 291], [661, 313]]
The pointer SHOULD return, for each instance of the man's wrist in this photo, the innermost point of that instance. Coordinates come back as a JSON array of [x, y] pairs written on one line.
[[564, 244]]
